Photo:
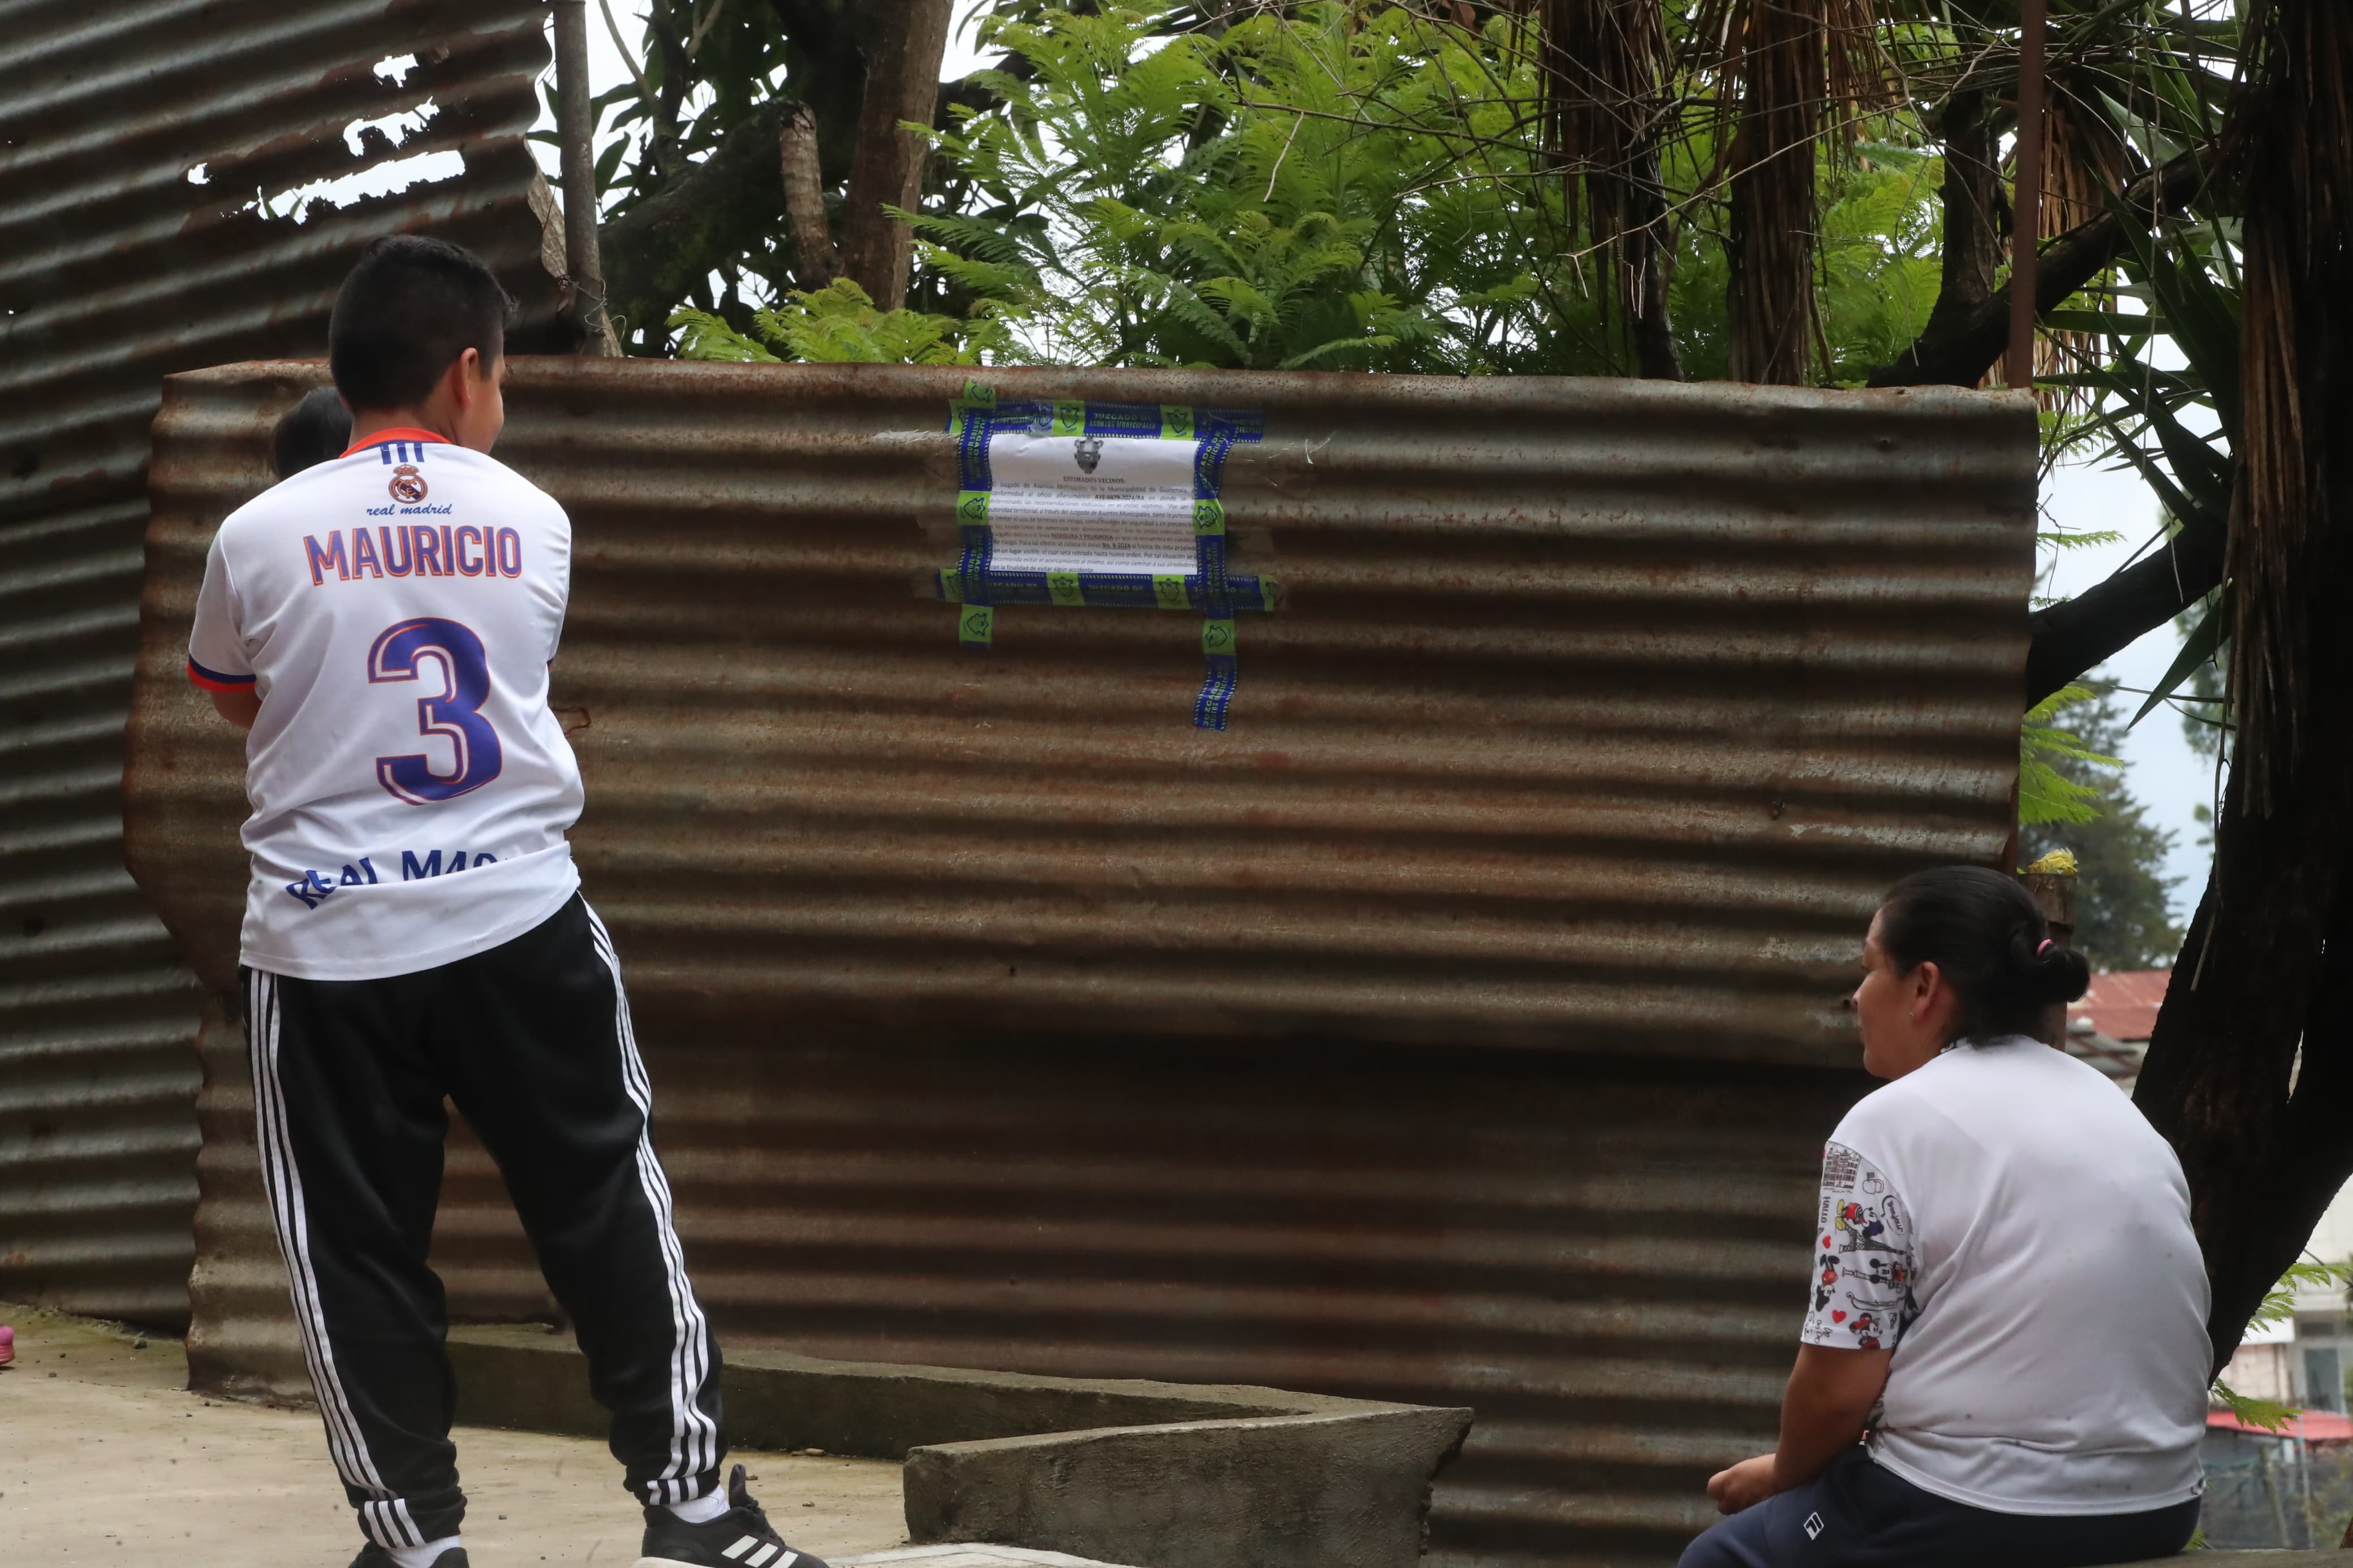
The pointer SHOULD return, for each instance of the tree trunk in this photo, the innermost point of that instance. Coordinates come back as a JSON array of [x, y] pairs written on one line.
[[2076, 636], [1774, 208], [2256, 976], [903, 83], [2266, 1140], [1647, 268], [1974, 230], [817, 261]]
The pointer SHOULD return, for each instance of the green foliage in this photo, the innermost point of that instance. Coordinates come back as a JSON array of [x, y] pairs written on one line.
[[1881, 237], [2123, 904], [2268, 1414], [2279, 1307], [1345, 184], [835, 325], [701, 68], [2304, 1274], [1347, 187], [1880, 234], [2044, 792], [2198, 698], [704, 336]]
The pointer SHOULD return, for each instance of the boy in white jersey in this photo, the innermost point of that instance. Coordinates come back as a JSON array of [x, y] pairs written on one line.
[[383, 624]]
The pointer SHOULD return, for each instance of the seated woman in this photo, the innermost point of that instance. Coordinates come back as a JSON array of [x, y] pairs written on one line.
[[2006, 1360]]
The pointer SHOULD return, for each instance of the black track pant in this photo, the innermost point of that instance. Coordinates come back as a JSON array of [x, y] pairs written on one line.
[[532, 1041]]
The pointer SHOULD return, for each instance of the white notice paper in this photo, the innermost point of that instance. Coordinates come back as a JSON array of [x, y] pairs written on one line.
[[1090, 503]]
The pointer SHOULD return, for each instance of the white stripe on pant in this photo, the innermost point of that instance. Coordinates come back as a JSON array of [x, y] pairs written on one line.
[[695, 1444], [386, 1519]]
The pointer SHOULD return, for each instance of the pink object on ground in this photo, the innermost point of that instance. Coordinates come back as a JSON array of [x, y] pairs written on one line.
[[7, 1344]]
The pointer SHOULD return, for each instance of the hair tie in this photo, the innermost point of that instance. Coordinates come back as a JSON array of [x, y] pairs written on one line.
[[2044, 948]]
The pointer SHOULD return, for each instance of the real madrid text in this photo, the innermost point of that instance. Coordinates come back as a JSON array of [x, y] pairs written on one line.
[[424, 549], [360, 872]]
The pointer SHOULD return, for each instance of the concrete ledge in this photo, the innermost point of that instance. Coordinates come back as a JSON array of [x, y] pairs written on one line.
[[1334, 1491], [530, 1379], [1168, 1475]]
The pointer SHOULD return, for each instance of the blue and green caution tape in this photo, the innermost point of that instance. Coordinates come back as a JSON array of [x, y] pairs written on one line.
[[977, 588]]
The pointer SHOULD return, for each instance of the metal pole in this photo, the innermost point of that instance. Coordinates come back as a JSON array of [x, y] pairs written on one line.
[[575, 134], [2026, 224]]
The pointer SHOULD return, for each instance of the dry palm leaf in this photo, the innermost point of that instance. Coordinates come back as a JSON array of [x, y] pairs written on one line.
[[1787, 73], [1604, 64], [2084, 168]]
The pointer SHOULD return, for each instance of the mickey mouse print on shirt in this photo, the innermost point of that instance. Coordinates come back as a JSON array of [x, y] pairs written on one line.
[[1864, 1268]]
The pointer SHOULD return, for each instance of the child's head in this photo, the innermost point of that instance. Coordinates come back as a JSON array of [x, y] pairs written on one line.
[[418, 324], [313, 430]]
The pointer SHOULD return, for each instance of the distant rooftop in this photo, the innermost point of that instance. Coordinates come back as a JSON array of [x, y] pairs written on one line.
[[2313, 1426], [2123, 1006]]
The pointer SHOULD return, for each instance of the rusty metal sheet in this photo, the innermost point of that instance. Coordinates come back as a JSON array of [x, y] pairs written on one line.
[[1459, 1026], [117, 267]]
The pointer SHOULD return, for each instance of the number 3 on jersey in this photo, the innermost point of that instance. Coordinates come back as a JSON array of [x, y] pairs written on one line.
[[455, 713]]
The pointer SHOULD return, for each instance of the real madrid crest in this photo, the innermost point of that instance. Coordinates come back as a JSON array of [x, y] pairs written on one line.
[[407, 486]]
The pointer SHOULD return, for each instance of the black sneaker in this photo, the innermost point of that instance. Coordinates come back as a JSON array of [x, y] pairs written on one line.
[[374, 1556], [740, 1538]]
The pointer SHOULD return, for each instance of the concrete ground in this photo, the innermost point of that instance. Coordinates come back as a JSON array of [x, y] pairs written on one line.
[[105, 1457]]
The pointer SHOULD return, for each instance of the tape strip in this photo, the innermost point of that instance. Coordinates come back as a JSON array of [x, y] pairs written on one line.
[[1221, 672], [1250, 594], [972, 571], [973, 416], [980, 408]]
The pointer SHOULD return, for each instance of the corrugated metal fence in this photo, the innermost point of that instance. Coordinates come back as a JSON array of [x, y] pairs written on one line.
[[1460, 1026], [151, 153]]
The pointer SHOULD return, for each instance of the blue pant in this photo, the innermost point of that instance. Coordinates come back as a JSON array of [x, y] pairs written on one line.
[[1857, 1514]]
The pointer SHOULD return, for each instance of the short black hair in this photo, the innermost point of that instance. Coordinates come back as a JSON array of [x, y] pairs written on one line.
[[1989, 940], [313, 430], [410, 307]]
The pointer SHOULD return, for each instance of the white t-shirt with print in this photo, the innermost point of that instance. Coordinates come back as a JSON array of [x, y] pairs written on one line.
[[2019, 1235], [396, 610]]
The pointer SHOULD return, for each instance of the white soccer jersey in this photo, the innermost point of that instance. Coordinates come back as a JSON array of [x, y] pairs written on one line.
[[396, 610]]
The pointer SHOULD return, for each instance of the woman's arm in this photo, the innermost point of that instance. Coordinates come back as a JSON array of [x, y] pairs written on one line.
[[1829, 1398]]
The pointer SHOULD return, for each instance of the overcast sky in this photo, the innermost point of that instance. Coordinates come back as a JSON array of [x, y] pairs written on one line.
[[2169, 777]]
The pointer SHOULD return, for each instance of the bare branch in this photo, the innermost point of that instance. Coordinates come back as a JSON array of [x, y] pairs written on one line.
[[816, 259], [703, 28], [1959, 353]]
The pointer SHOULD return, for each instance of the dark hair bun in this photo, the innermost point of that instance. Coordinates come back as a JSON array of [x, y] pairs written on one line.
[[2047, 970], [1986, 933]]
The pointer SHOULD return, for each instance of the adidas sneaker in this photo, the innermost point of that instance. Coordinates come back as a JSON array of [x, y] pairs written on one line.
[[740, 1538]]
